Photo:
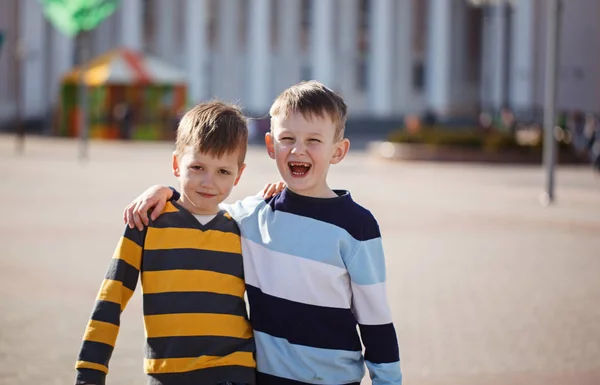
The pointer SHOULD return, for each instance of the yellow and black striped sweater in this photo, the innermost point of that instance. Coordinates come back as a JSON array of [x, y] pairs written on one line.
[[197, 329]]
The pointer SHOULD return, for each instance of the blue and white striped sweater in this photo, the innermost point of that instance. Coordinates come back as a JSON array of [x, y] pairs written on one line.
[[314, 269]]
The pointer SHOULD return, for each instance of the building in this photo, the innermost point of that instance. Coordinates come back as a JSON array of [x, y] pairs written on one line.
[[387, 57]]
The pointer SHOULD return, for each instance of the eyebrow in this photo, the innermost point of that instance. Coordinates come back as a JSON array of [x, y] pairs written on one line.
[[287, 132]]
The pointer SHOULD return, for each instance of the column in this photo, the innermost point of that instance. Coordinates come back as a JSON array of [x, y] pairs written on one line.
[[228, 69], [63, 53], [499, 63], [522, 56], [196, 47], [438, 69], [348, 50], [131, 24], [321, 41], [402, 99], [288, 45], [381, 63], [7, 53], [101, 38], [259, 52], [487, 57], [165, 28], [32, 30]]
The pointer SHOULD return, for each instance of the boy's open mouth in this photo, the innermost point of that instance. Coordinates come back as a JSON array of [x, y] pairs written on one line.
[[299, 168]]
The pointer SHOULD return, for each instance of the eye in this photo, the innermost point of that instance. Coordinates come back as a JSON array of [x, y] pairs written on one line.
[[196, 167], [225, 172], [314, 140], [287, 138]]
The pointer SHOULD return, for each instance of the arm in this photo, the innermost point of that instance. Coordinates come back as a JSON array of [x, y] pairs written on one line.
[[155, 198], [370, 306], [116, 290]]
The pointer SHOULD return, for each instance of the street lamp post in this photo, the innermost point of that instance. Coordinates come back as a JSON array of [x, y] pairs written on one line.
[[551, 61], [550, 145]]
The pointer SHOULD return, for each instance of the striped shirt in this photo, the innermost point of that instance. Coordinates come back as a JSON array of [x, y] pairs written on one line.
[[315, 269], [197, 329]]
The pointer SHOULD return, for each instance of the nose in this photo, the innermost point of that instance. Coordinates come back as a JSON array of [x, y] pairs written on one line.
[[206, 181], [299, 148]]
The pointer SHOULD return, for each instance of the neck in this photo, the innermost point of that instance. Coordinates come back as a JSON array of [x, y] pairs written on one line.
[[189, 206], [325, 192]]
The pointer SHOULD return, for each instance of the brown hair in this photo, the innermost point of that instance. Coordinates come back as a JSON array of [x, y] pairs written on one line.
[[213, 128], [310, 99]]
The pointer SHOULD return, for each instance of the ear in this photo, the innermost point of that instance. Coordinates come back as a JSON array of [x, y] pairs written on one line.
[[242, 168], [270, 142], [340, 152], [176, 171]]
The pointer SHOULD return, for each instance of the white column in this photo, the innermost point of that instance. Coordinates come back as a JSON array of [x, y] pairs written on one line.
[[321, 41], [499, 36], [381, 63], [438, 69], [259, 55], [63, 53], [227, 69], [131, 24], [487, 57], [402, 99], [288, 45], [32, 31], [348, 50], [101, 38], [165, 28], [7, 53], [196, 47], [522, 68]]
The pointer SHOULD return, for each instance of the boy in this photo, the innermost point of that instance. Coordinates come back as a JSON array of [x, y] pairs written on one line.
[[197, 329], [313, 258]]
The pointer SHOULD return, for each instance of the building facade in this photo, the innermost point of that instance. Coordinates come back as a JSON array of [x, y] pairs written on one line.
[[386, 57]]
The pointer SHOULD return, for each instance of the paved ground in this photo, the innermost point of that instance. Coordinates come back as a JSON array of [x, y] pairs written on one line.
[[486, 286]]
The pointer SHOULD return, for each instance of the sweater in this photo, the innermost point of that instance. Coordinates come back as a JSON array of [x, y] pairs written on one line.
[[197, 329], [315, 270]]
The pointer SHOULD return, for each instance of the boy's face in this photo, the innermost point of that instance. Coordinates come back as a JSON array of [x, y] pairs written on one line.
[[304, 149], [206, 180]]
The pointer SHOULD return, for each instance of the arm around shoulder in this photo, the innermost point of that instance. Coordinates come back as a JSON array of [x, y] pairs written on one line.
[[155, 199]]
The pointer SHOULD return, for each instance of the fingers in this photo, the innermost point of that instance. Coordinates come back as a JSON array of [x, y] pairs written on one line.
[[265, 189], [127, 214], [143, 213], [136, 216], [280, 187], [160, 207]]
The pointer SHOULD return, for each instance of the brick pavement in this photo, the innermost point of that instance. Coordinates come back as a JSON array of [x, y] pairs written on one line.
[[486, 286]]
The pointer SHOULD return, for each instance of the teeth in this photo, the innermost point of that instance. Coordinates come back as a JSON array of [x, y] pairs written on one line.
[[294, 164]]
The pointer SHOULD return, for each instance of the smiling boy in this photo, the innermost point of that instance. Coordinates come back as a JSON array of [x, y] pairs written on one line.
[[313, 258], [197, 329]]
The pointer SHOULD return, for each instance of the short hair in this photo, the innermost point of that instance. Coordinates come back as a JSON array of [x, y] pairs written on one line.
[[312, 98], [214, 128]]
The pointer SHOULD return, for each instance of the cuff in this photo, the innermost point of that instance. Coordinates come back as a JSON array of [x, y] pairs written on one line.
[[175, 196], [90, 377]]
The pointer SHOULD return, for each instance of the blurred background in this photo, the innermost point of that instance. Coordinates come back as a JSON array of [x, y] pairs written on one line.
[[447, 61], [453, 107]]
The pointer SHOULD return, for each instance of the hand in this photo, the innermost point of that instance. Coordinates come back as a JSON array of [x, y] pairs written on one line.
[[136, 213], [272, 189]]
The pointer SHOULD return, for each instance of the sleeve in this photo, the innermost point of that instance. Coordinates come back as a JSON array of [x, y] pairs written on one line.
[[370, 306], [176, 195], [116, 290], [242, 208]]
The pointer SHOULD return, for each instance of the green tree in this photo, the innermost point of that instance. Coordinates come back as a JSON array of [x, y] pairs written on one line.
[[73, 16]]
